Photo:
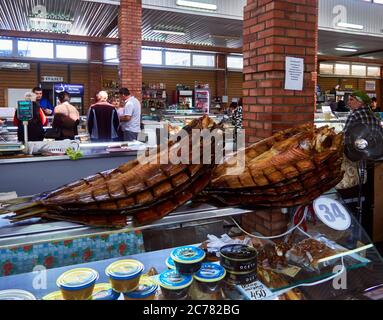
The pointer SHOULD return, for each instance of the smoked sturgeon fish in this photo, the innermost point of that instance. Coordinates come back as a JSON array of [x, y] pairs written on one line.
[[145, 190], [290, 168]]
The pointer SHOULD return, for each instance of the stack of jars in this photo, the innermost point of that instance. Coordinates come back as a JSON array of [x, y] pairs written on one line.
[[189, 277]]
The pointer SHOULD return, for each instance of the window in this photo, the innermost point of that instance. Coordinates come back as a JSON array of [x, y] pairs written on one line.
[[358, 70], [111, 54], [326, 68], [204, 60], [373, 71], [235, 62], [342, 69], [71, 52], [174, 58], [36, 49], [6, 47], [151, 57]]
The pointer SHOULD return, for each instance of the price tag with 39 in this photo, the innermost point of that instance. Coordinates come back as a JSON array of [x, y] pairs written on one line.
[[332, 213]]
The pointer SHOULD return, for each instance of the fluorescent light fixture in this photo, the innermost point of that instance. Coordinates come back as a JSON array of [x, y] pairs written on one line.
[[50, 21], [216, 36], [350, 25], [197, 5], [178, 33], [346, 49]]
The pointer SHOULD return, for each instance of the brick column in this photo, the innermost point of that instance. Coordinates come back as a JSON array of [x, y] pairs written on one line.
[[129, 26], [274, 29], [96, 55], [220, 75]]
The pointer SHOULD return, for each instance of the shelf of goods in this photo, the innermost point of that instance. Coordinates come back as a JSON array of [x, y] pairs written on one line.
[[301, 265]]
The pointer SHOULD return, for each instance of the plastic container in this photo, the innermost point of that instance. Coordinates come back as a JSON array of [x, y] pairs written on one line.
[[104, 291], [15, 294], [208, 282], [174, 286], [170, 263], [187, 259], [146, 290], [77, 284], [124, 275], [238, 258]]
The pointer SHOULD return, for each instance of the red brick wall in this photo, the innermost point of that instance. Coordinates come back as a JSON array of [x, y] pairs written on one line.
[[274, 29], [129, 25]]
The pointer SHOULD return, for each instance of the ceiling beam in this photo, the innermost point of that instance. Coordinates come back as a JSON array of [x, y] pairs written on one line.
[[146, 43], [322, 58], [57, 37]]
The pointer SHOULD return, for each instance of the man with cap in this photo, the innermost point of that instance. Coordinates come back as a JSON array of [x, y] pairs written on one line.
[[359, 103]]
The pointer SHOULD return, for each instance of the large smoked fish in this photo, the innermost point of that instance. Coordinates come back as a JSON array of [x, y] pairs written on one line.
[[147, 191], [290, 168]]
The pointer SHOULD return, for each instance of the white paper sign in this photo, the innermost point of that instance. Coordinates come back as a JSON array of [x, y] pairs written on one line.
[[326, 109], [332, 213], [255, 291], [294, 73]]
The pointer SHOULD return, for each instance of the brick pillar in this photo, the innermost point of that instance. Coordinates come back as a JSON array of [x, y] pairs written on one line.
[[220, 75], [129, 26], [96, 55], [274, 29]]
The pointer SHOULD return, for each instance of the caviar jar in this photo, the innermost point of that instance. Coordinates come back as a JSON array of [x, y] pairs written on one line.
[[170, 263], [208, 282], [15, 294], [187, 259], [124, 275], [77, 284], [233, 278], [238, 258], [174, 286], [146, 290], [104, 291]]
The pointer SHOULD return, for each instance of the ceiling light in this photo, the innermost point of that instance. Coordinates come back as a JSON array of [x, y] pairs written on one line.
[[224, 37], [197, 5], [178, 33], [44, 20], [350, 25], [346, 49]]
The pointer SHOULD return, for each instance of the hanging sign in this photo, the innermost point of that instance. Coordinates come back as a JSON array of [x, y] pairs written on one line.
[[332, 213], [370, 85], [51, 79], [294, 73]]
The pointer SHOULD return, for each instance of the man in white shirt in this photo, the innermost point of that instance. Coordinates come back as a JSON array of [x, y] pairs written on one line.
[[130, 120]]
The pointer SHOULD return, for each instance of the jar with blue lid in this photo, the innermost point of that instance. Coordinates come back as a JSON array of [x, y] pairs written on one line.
[[187, 259], [77, 284], [208, 282], [170, 263], [124, 275], [104, 291], [174, 286], [146, 290]]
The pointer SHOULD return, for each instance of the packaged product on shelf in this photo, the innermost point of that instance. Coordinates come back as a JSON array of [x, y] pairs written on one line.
[[174, 286], [77, 284], [104, 291], [56, 295], [124, 275], [188, 259], [208, 282], [15, 294], [238, 258], [146, 290], [170, 263]]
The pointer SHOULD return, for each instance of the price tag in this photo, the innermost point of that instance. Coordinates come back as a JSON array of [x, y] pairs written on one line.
[[332, 213], [255, 291]]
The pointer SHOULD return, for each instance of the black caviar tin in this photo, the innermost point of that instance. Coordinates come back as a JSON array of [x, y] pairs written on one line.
[[238, 258]]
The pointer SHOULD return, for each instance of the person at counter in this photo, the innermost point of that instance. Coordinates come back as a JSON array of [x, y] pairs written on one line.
[[102, 120], [43, 102], [374, 105], [66, 117], [341, 107], [361, 112], [130, 117], [35, 125]]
